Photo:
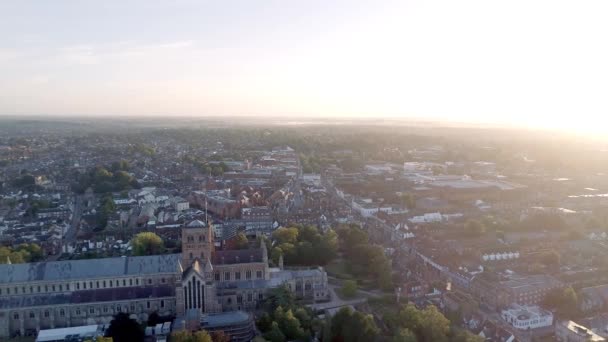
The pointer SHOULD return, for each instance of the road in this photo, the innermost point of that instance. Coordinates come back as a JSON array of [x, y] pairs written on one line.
[[70, 235], [336, 302]]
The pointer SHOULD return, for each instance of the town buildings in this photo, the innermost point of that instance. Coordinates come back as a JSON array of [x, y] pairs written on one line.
[[569, 331]]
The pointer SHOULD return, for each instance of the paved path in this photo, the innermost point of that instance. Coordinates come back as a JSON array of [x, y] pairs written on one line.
[[336, 302]]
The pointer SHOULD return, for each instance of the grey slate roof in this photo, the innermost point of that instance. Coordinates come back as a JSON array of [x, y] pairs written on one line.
[[87, 296], [88, 269]]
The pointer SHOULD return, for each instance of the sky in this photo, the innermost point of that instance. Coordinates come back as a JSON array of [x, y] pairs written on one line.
[[533, 62]]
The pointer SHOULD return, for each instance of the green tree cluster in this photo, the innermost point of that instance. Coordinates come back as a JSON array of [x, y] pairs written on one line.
[[304, 245], [124, 329], [310, 163], [101, 180], [22, 253], [24, 181], [143, 149], [474, 228], [187, 336], [544, 221], [283, 319], [349, 325], [147, 243], [349, 288], [364, 259], [564, 301], [207, 168], [409, 201], [106, 208], [241, 241], [550, 258], [35, 205], [427, 325]]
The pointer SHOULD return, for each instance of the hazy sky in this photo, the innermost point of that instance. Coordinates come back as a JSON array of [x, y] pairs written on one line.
[[527, 62]]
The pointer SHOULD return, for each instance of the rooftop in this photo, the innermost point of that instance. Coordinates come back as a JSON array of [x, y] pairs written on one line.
[[238, 256], [88, 269], [225, 319], [87, 296], [83, 332]]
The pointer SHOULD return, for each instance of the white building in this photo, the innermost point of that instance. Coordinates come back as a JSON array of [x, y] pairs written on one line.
[[569, 331], [427, 218], [180, 204], [527, 317], [85, 332]]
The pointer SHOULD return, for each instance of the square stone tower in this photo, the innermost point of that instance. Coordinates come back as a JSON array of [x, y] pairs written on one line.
[[197, 242]]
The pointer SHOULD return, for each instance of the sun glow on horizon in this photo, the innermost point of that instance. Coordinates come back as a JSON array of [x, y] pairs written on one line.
[[536, 63]]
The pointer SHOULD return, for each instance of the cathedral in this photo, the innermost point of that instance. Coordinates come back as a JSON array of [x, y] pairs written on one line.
[[200, 280]]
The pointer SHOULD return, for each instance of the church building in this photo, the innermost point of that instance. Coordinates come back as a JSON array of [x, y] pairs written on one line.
[[200, 280]]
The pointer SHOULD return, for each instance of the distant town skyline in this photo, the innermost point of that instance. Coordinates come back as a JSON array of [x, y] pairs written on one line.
[[530, 63]]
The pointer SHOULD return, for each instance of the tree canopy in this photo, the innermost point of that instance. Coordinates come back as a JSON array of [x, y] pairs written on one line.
[[427, 325], [22, 253], [283, 319], [304, 245], [349, 288], [474, 228], [124, 329], [101, 180], [349, 325], [186, 336], [364, 259], [241, 241], [147, 243]]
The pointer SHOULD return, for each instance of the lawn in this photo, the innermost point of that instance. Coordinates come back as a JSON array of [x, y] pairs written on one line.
[[337, 269]]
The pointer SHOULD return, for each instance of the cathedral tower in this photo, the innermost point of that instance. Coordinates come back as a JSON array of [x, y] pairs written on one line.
[[197, 242]]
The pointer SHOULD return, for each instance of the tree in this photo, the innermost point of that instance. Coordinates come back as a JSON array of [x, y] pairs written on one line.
[[186, 336], [240, 241], [147, 243], [428, 325], [23, 253], [25, 181], [289, 324], [347, 325], [219, 336], [349, 288], [409, 201], [274, 334], [286, 235], [404, 335], [565, 301], [352, 236], [326, 332], [102, 339], [279, 297], [544, 221], [550, 259], [433, 325], [264, 323], [124, 329], [461, 335], [474, 228]]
